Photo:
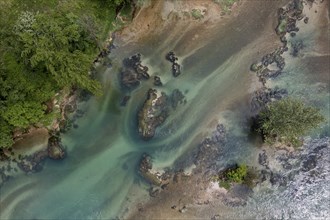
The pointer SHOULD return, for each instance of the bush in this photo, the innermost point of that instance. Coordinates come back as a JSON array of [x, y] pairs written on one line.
[[234, 174], [286, 120], [237, 175]]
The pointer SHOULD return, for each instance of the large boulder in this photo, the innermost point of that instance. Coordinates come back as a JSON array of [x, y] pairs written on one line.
[[152, 114]]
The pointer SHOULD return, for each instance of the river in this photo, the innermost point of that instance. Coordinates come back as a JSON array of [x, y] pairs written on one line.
[[100, 171]]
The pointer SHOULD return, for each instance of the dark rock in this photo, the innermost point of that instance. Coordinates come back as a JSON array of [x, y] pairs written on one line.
[[173, 207], [176, 69], [129, 79], [125, 100], [133, 72], [157, 81], [263, 159], [145, 163], [292, 34], [209, 151], [55, 149], [310, 163], [264, 96], [171, 57], [306, 20], [142, 71]]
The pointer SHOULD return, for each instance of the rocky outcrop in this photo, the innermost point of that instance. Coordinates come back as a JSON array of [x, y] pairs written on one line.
[[145, 167], [287, 17], [152, 114], [133, 72], [264, 96], [176, 68]]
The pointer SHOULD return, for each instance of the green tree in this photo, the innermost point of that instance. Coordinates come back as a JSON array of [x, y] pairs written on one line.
[[58, 46], [288, 119], [6, 139]]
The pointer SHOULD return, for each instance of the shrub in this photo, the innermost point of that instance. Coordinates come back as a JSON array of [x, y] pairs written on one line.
[[287, 119], [237, 175]]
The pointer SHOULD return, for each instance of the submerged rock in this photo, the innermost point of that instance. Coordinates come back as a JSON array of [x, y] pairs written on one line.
[[153, 113], [145, 167], [157, 81], [55, 149], [176, 68], [125, 100], [177, 98], [171, 57]]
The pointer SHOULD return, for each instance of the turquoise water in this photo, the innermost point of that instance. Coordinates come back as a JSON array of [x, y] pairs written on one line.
[[99, 175]]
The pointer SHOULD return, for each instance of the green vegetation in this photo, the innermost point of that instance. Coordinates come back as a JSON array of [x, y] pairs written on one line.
[[288, 119], [226, 4], [197, 14], [281, 28], [237, 174], [47, 47]]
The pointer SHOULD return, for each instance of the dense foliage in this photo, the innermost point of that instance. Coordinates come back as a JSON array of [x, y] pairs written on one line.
[[237, 175], [45, 47], [287, 119]]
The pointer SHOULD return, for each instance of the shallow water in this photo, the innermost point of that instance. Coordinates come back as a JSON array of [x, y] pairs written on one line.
[[99, 173]]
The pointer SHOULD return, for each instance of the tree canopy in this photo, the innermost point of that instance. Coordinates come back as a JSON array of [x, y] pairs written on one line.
[[45, 47], [288, 119]]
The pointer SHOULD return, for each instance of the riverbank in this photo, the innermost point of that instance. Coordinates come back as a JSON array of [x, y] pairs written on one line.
[[36, 142]]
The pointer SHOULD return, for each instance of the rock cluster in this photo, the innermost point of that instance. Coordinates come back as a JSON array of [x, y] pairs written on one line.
[[288, 16], [209, 150], [282, 166], [176, 68], [265, 95], [287, 19], [133, 72]]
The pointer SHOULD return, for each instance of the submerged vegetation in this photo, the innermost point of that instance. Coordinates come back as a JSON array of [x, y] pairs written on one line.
[[288, 119], [47, 47]]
